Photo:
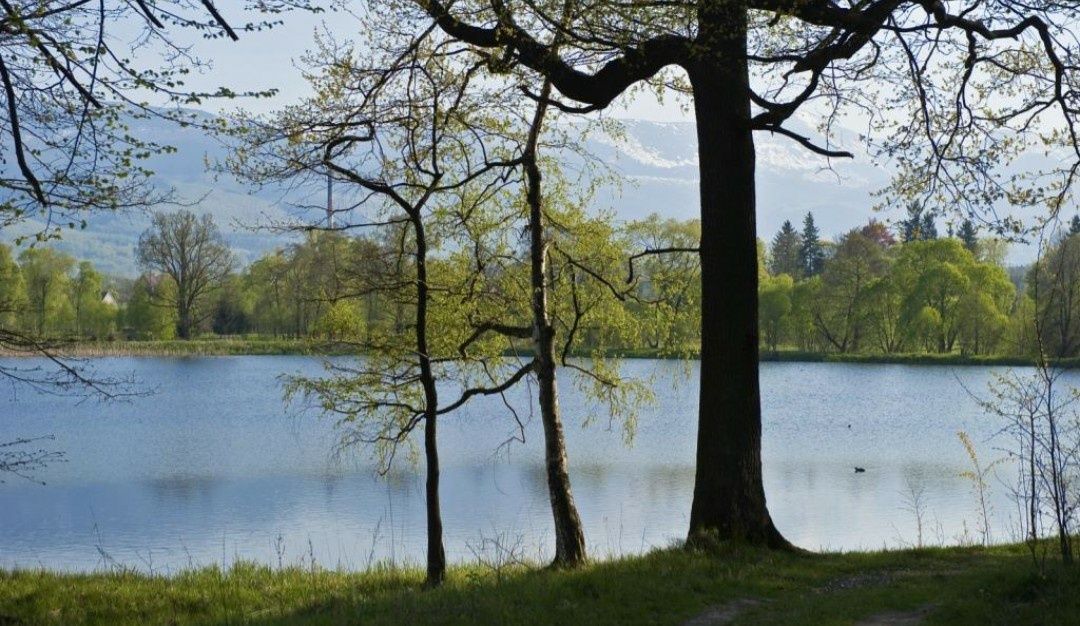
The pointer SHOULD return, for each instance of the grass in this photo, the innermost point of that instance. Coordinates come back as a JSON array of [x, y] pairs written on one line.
[[213, 346], [962, 585], [908, 359], [238, 346]]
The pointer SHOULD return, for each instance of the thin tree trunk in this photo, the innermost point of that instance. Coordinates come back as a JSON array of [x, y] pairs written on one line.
[[436, 555], [41, 310], [729, 497], [569, 536]]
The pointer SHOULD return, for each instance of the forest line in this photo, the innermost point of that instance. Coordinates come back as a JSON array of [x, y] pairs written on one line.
[[877, 290]]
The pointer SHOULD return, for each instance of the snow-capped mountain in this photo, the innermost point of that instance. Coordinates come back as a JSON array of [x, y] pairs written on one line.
[[659, 163]]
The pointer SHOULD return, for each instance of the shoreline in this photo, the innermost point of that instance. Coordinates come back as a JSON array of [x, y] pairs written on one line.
[[308, 347]]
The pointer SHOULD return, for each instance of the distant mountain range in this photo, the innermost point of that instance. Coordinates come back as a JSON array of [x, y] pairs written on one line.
[[657, 163]]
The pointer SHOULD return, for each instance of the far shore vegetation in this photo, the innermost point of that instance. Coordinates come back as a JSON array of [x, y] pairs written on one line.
[[212, 346], [876, 294]]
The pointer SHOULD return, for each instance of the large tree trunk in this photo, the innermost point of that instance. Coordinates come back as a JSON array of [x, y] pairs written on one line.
[[569, 536], [184, 323], [184, 306], [729, 498]]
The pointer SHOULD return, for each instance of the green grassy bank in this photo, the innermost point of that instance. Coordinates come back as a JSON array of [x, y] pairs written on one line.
[[908, 359], [942, 586], [217, 346], [236, 346]]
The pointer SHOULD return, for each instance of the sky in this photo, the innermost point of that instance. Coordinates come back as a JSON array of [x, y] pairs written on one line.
[[269, 59]]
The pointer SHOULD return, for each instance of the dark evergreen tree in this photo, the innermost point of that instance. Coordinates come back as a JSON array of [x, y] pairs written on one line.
[[1074, 225], [908, 229], [919, 225], [811, 253], [784, 253], [927, 230], [969, 235]]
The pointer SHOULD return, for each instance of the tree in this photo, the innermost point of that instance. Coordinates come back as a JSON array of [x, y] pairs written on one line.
[[811, 254], [919, 225], [455, 183], [290, 290], [1074, 225], [992, 250], [144, 316], [969, 236], [47, 274], [569, 535], [1041, 419], [343, 321], [670, 283], [936, 276], [12, 289], [230, 310], [574, 264], [981, 323], [265, 280], [749, 66], [840, 305], [427, 165], [879, 233], [92, 316], [1054, 284], [192, 253], [1020, 333], [784, 255], [885, 319], [774, 302], [800, 321]]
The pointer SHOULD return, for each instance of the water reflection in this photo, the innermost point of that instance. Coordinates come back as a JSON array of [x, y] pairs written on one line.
[[178, 489]]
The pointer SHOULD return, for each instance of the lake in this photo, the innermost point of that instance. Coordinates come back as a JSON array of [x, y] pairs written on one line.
[[212, 468]]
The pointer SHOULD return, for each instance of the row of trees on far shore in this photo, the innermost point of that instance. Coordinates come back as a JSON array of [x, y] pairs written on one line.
[[899, 290], [875, 289]]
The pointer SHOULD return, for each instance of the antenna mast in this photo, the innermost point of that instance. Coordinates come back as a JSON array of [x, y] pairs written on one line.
[[329, 200]]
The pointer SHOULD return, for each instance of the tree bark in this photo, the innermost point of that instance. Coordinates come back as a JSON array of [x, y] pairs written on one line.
[[729, 497], [436, 555], [183, 312], [569, 536], [183, 325]]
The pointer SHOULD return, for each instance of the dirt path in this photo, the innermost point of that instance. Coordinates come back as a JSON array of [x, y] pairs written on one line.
[[897, 618], [723, 613], [728, 612]]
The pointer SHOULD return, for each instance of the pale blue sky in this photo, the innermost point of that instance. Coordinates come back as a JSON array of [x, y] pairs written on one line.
[[262, 60]]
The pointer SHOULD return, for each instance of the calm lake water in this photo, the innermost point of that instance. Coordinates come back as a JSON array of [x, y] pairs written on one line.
[[212, 468]]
